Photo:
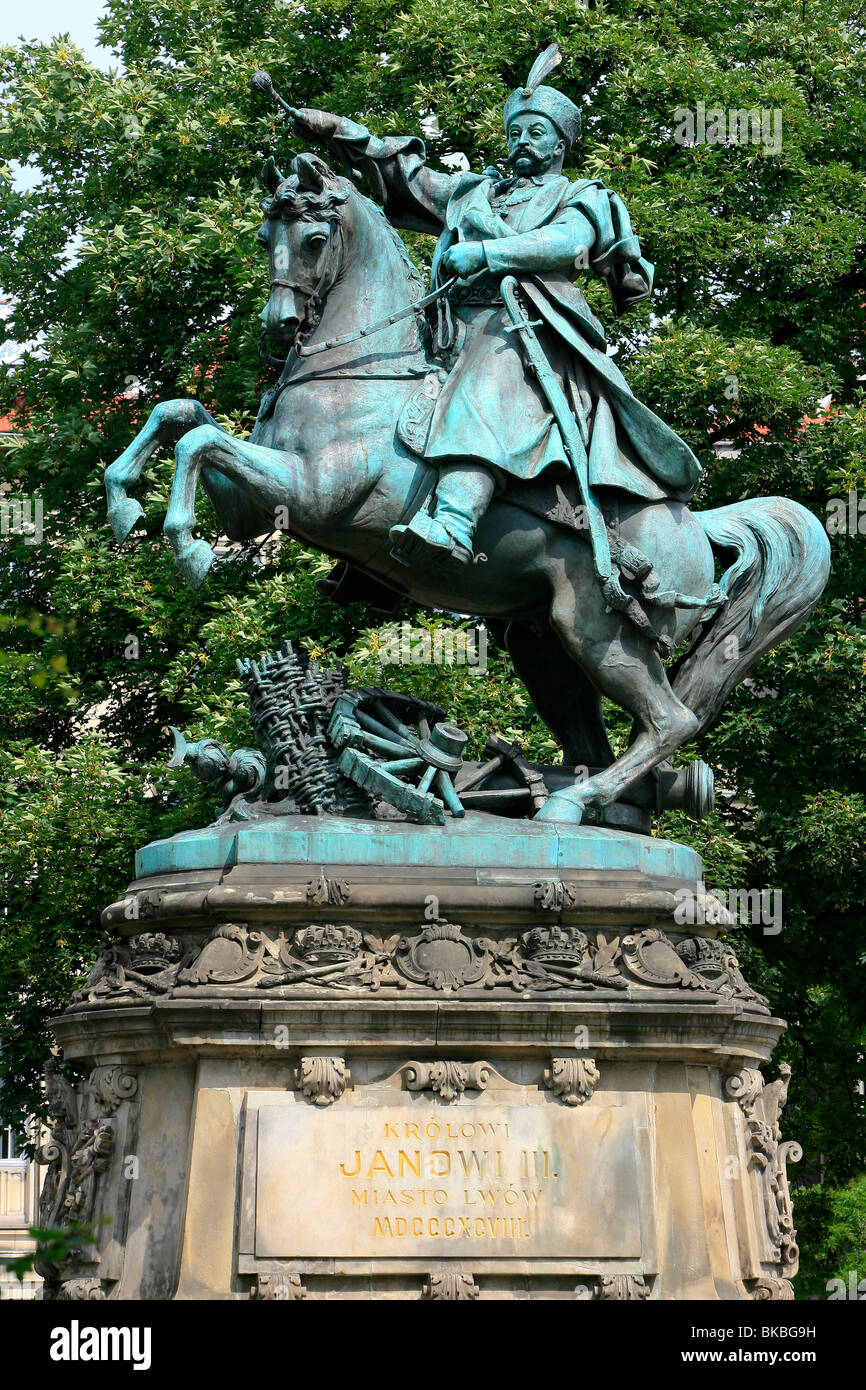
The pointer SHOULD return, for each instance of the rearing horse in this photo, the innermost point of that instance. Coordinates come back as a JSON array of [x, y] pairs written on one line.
[[326, 448]]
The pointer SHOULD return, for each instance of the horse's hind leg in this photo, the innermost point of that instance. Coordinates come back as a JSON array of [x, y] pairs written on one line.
[[626, 668], [166, 423], [562, 695]]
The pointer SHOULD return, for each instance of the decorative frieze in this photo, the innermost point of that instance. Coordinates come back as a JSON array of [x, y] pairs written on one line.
[[437, 957]]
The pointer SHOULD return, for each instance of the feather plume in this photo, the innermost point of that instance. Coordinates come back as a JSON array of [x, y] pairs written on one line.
[[544, 64]]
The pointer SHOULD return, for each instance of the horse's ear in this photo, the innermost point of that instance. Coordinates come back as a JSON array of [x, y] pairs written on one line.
[[271, 176], [310, 171]]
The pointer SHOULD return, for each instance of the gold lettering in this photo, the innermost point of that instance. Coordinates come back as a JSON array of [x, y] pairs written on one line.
[[444, 1155], [405, 1161], [357, 1168], [359, 1199], [382, 1227], [417, 1226], [448, 1226], [472, 1160], [379, 1165]]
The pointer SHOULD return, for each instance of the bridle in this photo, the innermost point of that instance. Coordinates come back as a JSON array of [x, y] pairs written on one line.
[[299, 350]]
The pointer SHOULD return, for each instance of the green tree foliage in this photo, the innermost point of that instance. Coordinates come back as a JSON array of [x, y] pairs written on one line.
[[133, 274]]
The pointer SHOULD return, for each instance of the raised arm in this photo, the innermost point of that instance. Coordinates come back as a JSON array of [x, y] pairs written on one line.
[[412, 195]]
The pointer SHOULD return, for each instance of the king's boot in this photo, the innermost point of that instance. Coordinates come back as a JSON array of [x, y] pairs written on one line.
[[462, 497]]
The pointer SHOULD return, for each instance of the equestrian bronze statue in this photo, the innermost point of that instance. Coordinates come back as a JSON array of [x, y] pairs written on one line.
[[471, 445]]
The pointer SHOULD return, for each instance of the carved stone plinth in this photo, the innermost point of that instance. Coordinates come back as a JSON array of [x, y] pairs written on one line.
[[357, 1060]]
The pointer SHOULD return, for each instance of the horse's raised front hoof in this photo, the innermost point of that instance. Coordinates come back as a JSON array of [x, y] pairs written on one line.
[[123, 517], [563, 806], [194, 562]]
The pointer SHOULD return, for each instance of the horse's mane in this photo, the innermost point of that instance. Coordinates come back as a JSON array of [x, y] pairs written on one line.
[[303, 204], [413, 274]]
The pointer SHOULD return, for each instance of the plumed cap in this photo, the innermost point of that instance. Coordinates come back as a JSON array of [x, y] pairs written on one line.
[[545, 101]]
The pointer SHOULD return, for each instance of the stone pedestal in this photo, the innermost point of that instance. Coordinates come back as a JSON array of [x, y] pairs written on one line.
[[336, 1059]]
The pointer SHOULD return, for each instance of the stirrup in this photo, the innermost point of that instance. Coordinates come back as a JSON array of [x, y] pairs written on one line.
[[418, 539]]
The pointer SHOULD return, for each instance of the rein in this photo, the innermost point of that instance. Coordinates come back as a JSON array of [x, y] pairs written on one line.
[[357, 333]]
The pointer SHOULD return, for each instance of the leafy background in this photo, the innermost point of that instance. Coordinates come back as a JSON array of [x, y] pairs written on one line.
[[131, 260]]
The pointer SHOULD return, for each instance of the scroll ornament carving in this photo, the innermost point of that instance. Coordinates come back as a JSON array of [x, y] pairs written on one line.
[[745, 1087], [448, 1078], [77, 1152], [622, 1288], [769, 1157], [552, 895], [323, 1079], [286, 1288], [572, 1079], [455, 1287], [80, 1290], [770, 1287], [328, 891]]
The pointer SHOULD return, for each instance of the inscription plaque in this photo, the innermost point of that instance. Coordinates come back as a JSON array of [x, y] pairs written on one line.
[[415, 1180]]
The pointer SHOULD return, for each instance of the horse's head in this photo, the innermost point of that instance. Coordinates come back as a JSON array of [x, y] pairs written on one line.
[[301, 232]]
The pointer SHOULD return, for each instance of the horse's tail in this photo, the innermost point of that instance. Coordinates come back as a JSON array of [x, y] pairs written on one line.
[[781, 567]]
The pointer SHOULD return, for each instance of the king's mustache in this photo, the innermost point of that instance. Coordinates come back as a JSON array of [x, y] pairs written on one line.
[[523, 153]]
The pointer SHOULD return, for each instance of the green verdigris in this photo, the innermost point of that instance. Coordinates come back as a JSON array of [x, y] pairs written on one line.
[[409, 457]]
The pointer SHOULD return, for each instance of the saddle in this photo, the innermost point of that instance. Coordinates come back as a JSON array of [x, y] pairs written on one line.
[[553, 499]]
